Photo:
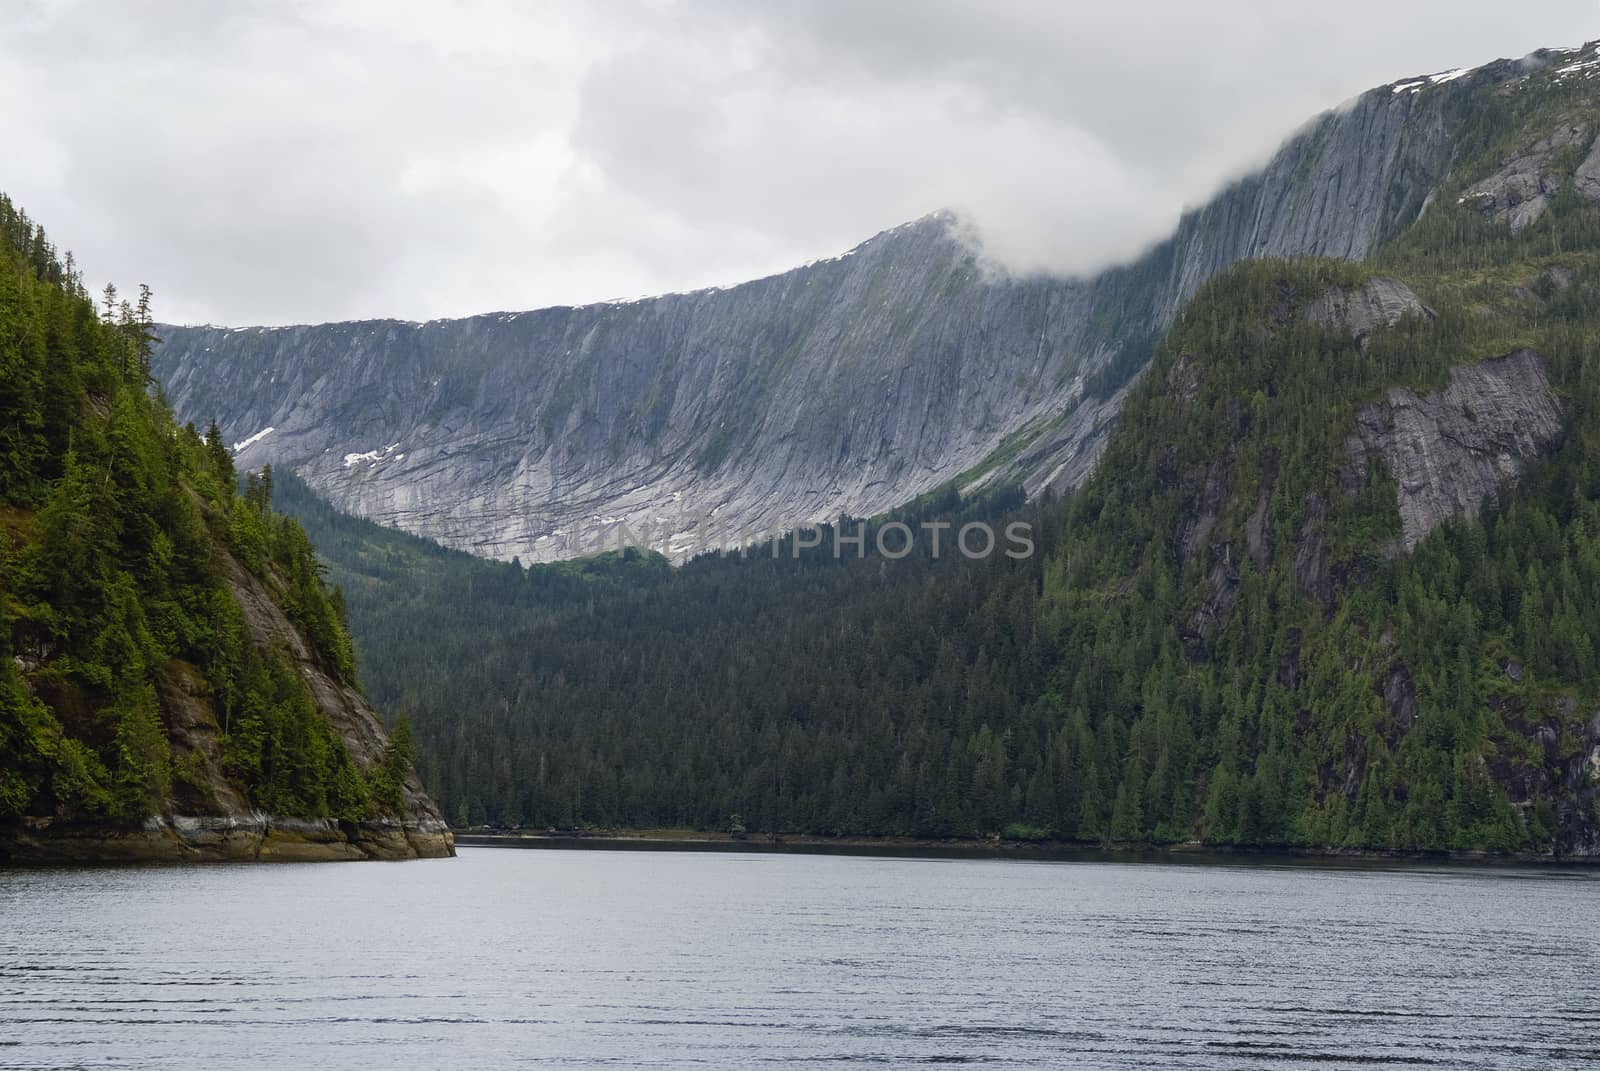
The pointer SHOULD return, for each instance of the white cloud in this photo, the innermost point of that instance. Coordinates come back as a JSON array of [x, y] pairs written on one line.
[[261, 162]]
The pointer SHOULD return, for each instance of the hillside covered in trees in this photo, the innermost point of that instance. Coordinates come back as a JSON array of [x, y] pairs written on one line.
[[176, 679], [1254, 626]]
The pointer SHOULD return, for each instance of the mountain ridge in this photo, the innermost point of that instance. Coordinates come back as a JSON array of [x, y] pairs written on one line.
[[847, 386]]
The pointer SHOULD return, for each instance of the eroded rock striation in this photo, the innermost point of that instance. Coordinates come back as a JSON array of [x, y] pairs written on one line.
[[1465, 448], [1519, 193], [843, 387], [1378, 303]]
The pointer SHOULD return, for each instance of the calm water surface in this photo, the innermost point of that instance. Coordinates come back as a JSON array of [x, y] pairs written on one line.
[[506, 958]]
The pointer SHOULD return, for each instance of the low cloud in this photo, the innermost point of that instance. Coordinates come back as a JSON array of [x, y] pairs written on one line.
[[275, 163]]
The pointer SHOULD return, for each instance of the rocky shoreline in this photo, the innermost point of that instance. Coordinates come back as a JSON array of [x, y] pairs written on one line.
[[212, 839]]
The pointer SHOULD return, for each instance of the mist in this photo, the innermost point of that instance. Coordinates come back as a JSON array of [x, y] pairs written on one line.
[[282, 163]]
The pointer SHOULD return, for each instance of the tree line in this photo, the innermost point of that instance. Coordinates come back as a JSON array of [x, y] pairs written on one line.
[[118, 531]]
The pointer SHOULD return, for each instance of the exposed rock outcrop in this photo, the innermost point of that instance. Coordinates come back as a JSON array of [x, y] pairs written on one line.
[[1222, 591], [422, 832], [847, 386], [1578, 833], [1257, 527], [1204, 507], [1061, 459], [1310, 561], [1558, 278], [1586, 179], [1379, 302], [1400, 695], [1457, 451], [1518, 194], [244, 837]]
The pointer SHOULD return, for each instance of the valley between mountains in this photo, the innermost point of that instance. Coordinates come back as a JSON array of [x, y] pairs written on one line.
[[1312, 485]]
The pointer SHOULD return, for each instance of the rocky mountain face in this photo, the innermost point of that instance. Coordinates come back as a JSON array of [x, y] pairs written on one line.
[[1464, 449], [1520, 191], [1233, 632], [844, 387], [1361, 310], [209, 818], [1325, 504], [1255, 621]]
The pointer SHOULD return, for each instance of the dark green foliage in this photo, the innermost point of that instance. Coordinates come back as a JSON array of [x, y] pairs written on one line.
[[388, 780], [112, 521], [1283, 733], [617, 690], [1098, 690], [282, 745], [271, 543]]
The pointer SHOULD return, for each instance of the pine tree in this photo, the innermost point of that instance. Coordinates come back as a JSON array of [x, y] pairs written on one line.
[[145, 338], [220, 456]]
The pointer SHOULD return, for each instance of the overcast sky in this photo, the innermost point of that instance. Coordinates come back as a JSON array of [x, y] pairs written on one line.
[[280, 162]]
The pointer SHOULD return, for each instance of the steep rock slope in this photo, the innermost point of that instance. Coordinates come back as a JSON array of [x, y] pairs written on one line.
[[846, 386], [176, 681], [1373, 540], [1455, 452]]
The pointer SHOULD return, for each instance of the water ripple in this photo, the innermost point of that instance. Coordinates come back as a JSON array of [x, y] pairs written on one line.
[[593, 959]]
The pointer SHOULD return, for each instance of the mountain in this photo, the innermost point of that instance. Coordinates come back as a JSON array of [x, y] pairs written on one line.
[[844, 387], [176, 680], [1334, 586]]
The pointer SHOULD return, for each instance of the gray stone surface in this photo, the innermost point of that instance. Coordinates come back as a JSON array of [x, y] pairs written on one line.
[[847, 386], [1457, 451], [1380, 302], [1060, 459], [1586, 179], [1518, 194]]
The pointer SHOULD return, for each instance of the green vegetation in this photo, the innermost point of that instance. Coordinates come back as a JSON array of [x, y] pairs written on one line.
[[1133, 681], [617, 691], [122, 539], [1275, 728]]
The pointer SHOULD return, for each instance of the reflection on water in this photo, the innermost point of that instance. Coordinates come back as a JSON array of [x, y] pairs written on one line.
[[587, 958]]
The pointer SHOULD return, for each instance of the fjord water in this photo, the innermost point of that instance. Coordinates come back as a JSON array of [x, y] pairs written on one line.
[[506, 958]]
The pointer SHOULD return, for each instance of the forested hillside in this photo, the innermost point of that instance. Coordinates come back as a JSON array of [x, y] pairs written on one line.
[[161, 637], [1335, 584], [800, 691]]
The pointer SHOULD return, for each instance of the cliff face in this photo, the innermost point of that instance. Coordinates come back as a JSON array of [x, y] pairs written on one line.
[[847, 386], [838, 387], [1454, 453], [1520, 191], [1376, 304], [207, 816]]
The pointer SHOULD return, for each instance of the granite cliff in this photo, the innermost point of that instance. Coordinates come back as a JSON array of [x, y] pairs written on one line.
[[844, 387], [1461, 450]]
